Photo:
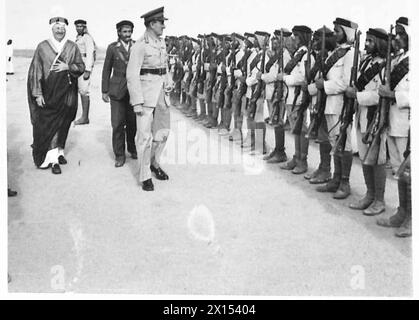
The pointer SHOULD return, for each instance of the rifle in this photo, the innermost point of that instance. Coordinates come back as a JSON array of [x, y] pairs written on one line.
[[212, 71], [200, 67], [348, 109], [232, 64], [318, 110], [376, 153], [188, 62], [259, 86], [278, 101], [223, 78], [306, 98]]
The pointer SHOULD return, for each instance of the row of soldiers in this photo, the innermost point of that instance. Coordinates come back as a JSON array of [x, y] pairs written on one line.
[[322, 85]]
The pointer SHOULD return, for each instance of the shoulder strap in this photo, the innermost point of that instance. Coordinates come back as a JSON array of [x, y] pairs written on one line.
[[399, 72], [335, 57], [367, 75], [294, 61]]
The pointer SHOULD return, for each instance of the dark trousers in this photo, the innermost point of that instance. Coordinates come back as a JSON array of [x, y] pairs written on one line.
[[124, 126]]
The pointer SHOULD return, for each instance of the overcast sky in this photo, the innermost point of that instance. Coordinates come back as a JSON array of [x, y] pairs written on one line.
[[27, 20]]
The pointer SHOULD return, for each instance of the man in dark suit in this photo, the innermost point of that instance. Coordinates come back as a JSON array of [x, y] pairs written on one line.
[[114, 89]]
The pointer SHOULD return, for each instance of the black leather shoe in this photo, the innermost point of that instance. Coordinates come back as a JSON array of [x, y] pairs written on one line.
[[62, 160], [148, 185], [11, 193], [119, 163], [160, 174], [56, 168]]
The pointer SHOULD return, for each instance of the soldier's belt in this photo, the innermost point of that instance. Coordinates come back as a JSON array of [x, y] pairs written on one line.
[[159, 72]]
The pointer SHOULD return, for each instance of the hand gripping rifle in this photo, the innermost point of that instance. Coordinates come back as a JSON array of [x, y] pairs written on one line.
[[259, 86], [306, 98], [318, 110], [376, 153], [348, 110], [278, 99]]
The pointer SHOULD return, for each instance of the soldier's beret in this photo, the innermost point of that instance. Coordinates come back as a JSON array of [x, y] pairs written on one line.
[[122, 23], [156, 14], [285, 32], [378, 32], [346, 23], [58, 19], [319, 32], [303, 29], [80, 21], [403, 21]]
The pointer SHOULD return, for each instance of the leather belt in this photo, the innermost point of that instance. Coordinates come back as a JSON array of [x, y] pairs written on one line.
[[159, 72]]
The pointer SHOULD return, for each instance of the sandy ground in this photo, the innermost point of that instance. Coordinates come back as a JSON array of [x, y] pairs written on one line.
[[213, 228]]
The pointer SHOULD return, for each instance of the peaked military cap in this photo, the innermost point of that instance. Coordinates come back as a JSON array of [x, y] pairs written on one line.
[[303, 29], [378, 32], [403, 21], [156, 14], [122, 23], [58, 19], [285, 32], [346, 23], [80, 21]]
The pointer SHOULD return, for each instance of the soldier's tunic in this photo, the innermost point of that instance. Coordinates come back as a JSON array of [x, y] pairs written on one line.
[[147, 89], [399, 115], [87, 49], [367, 102], [114, 84], [335, 84]]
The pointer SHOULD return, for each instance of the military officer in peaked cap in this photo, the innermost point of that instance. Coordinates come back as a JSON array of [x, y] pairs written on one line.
[[148, 82]]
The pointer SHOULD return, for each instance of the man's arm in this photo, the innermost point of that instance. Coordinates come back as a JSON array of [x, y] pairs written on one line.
[[133, 73], [107, 69]]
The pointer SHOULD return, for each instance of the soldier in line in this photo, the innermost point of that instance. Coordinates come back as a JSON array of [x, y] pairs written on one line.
[[323, 173], [115, 91], [277, 155], [337, 76], [366, 94], [87, 48], [294, 76]]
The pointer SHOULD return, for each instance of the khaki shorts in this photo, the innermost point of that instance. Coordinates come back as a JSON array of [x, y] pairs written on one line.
[[84, 86]]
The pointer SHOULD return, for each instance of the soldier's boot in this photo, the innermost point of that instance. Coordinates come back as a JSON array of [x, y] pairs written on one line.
[[202, 110], [344, 189], [208, 116], [405, 229], [227, 121], [378, 206], [191, 113], [222, 127], [290, 165], [278, 155], [236, 134], [85, 104], [333, 185], [397, 219], [302, 165], [247, 142], [368, 199], [323, 175], [260, 139]]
